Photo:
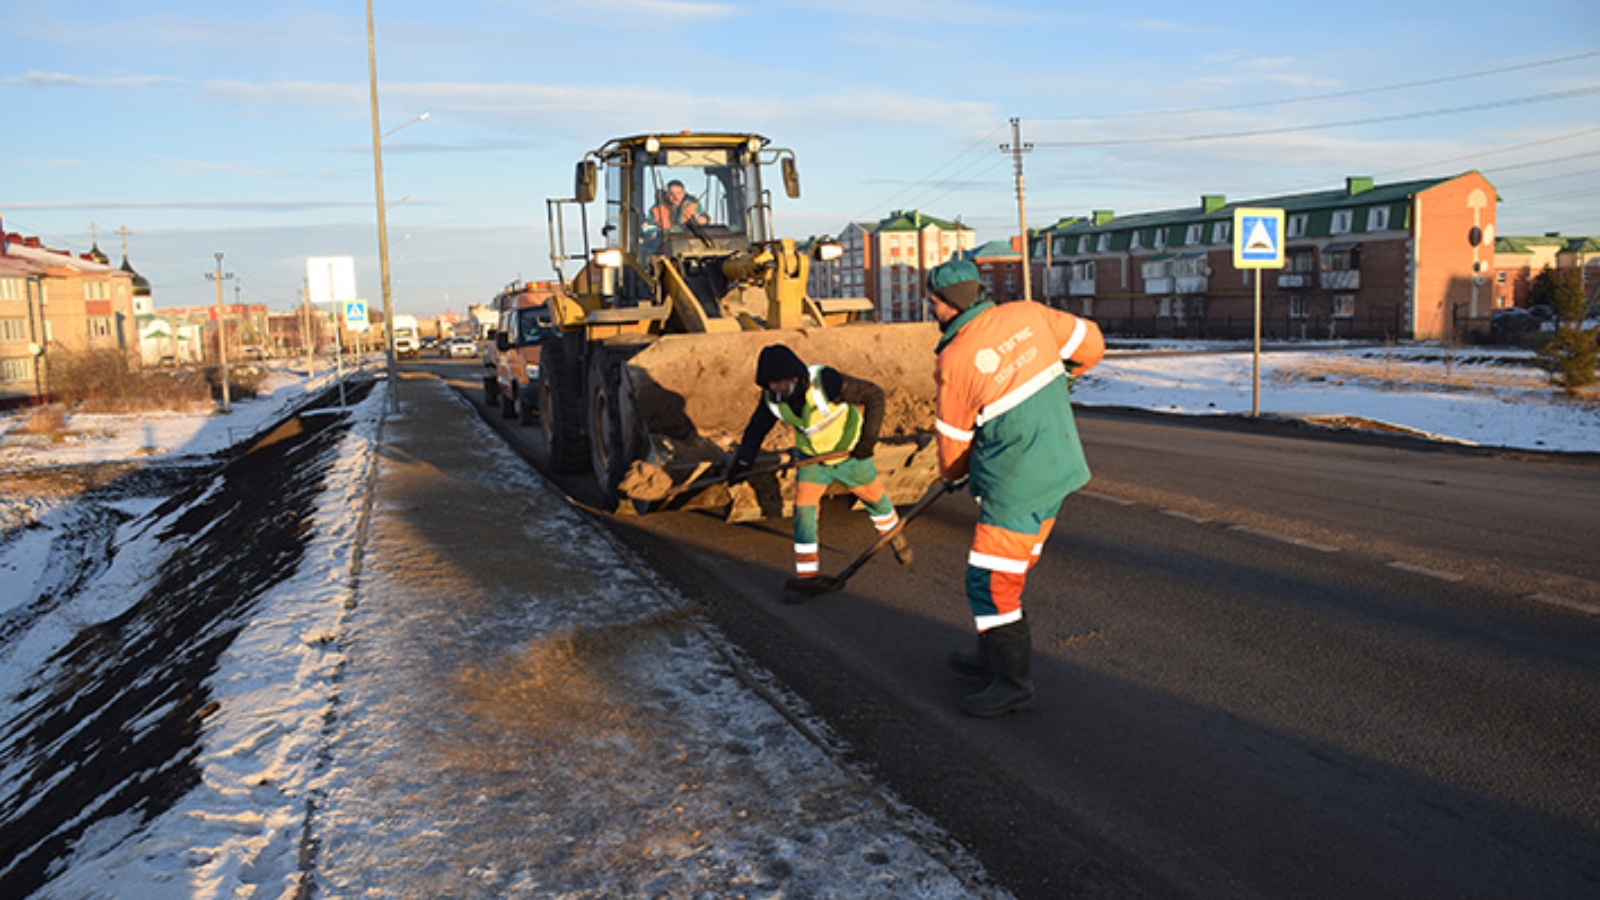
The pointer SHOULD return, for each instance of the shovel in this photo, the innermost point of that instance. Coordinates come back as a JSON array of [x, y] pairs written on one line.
[[824, 584], [706, 481]]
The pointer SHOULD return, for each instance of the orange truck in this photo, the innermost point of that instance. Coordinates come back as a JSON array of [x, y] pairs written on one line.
[[522, 329]]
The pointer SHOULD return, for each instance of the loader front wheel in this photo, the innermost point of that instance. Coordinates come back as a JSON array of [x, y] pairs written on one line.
[[609, 441], [561, 407]]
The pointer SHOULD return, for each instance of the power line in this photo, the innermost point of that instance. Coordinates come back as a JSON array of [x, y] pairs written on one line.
[[971, 151], [1338, 95], [1323, 126], [1477, 155]]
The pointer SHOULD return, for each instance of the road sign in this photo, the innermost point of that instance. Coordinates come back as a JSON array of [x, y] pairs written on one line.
[[1257, 238], [331, 279], [355, 315]]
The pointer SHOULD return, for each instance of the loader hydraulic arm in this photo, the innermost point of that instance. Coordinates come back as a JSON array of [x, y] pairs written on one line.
[[781, 270]]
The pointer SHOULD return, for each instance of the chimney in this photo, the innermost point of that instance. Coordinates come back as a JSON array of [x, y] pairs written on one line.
[[1212, 202], [1102, 216], [1357, 184]]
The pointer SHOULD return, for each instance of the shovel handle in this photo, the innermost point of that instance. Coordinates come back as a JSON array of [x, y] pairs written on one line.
[[791, 462], [935, 491]]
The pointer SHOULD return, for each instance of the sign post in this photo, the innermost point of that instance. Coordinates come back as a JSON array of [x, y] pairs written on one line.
[[330, 280], [1257, 244]]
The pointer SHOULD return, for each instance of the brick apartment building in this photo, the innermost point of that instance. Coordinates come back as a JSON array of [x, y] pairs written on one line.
[[1409, 260], [1519, 260], [888, 261], [54, 302]]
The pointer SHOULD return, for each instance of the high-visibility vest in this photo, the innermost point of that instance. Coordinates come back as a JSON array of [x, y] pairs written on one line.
[[821, 426]]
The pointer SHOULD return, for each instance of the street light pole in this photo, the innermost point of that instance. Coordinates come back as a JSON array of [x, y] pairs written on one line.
[[383, 228]]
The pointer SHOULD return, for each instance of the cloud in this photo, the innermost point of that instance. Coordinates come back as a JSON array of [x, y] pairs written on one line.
[[207, 205], [37, 79]]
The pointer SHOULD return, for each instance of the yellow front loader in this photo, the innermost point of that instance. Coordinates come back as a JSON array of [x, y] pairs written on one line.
[[648, 378]]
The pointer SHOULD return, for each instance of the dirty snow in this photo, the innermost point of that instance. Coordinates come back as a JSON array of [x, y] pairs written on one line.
[[269, 755]]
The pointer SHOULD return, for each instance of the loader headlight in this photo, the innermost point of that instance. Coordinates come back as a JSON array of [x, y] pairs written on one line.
[[828, 251], [610, 258], [531, 371]]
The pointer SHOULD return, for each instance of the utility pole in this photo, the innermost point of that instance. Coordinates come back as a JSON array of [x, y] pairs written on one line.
[[1016, 148], [307, 339], [222, 331]]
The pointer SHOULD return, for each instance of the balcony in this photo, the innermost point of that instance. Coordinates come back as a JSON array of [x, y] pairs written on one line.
[[1341, 280], [1081, 287], [1191, 284], [1294, 279]]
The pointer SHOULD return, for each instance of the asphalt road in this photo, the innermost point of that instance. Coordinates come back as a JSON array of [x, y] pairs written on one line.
[[1269, 665]]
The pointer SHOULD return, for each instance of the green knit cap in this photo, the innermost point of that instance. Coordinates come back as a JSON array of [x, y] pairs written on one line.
[[956, 283]]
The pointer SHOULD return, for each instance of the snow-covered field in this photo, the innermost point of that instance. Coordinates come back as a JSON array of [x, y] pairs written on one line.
[[238, 833]]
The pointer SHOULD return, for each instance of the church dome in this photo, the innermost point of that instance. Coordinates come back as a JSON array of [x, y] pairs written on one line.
[[141, 285]]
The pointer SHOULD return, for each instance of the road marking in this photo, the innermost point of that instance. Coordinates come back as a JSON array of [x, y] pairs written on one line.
[[1187, 517], [1587, 608], [1283, 539], [1424, 571], [1096, 495]]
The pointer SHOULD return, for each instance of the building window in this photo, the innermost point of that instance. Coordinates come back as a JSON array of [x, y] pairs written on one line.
[[1299, 262], [1088, 307], [1137, 241], [13, 329], [99, 326], [1343, 219], [1164, 307], [1083, 244], [1299, 307], [1083, 271], [1196, 234], [1161, 238], [1342, 260], [1104, 243], [1297, 225], [1222, 232], [1378, 218], [15, 370], [1344, 306], [96, 290], [12, 289], [1499, 278]]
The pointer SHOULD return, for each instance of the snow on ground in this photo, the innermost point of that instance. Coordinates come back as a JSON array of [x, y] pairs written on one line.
[[265, 759], [1493, 398]]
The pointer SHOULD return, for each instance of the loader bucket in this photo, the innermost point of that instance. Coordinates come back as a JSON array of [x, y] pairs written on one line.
[[694, 393]]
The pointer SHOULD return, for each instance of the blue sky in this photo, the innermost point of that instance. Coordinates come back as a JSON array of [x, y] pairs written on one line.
[[244, 127]]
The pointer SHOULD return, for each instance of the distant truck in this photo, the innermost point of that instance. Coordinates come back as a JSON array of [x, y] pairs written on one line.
[[519, 338], [406, 340]]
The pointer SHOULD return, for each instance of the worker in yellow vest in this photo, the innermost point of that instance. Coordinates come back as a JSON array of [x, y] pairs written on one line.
[[830, 413]]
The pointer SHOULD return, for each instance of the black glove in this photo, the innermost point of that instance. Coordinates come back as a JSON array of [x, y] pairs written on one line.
[[863, 450], [738, 471]]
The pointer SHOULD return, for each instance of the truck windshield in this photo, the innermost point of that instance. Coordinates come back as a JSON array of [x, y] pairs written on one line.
[[531, 324]]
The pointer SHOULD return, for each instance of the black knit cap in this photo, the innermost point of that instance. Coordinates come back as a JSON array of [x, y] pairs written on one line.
[[956, 283], [778, 362]]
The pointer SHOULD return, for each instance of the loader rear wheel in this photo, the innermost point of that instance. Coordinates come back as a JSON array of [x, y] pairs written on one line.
[[561, 405]]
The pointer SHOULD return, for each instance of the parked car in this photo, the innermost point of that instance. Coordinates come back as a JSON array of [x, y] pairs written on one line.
[[1512, 325], [460, 348]]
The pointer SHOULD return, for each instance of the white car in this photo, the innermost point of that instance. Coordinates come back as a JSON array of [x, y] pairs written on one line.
[[460, 348]]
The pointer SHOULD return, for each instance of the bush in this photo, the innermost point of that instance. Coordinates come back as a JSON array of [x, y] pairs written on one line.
[[1571, 354], [104, 381]]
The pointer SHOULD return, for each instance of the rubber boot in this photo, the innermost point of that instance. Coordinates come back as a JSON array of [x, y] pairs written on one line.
[[1010, 650], [974, 664], [902, 550]]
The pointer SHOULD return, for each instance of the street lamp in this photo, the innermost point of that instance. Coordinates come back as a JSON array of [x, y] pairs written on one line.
[[383, 227]]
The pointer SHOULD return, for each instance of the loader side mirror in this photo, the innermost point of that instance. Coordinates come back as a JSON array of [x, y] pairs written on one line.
[[791, 178], [584, 186]]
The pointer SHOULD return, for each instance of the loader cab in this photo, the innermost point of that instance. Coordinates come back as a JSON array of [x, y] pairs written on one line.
[[682, 199]]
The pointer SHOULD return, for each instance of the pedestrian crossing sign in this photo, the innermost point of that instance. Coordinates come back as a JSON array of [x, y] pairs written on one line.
[[1257, 238], [355, 315]]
